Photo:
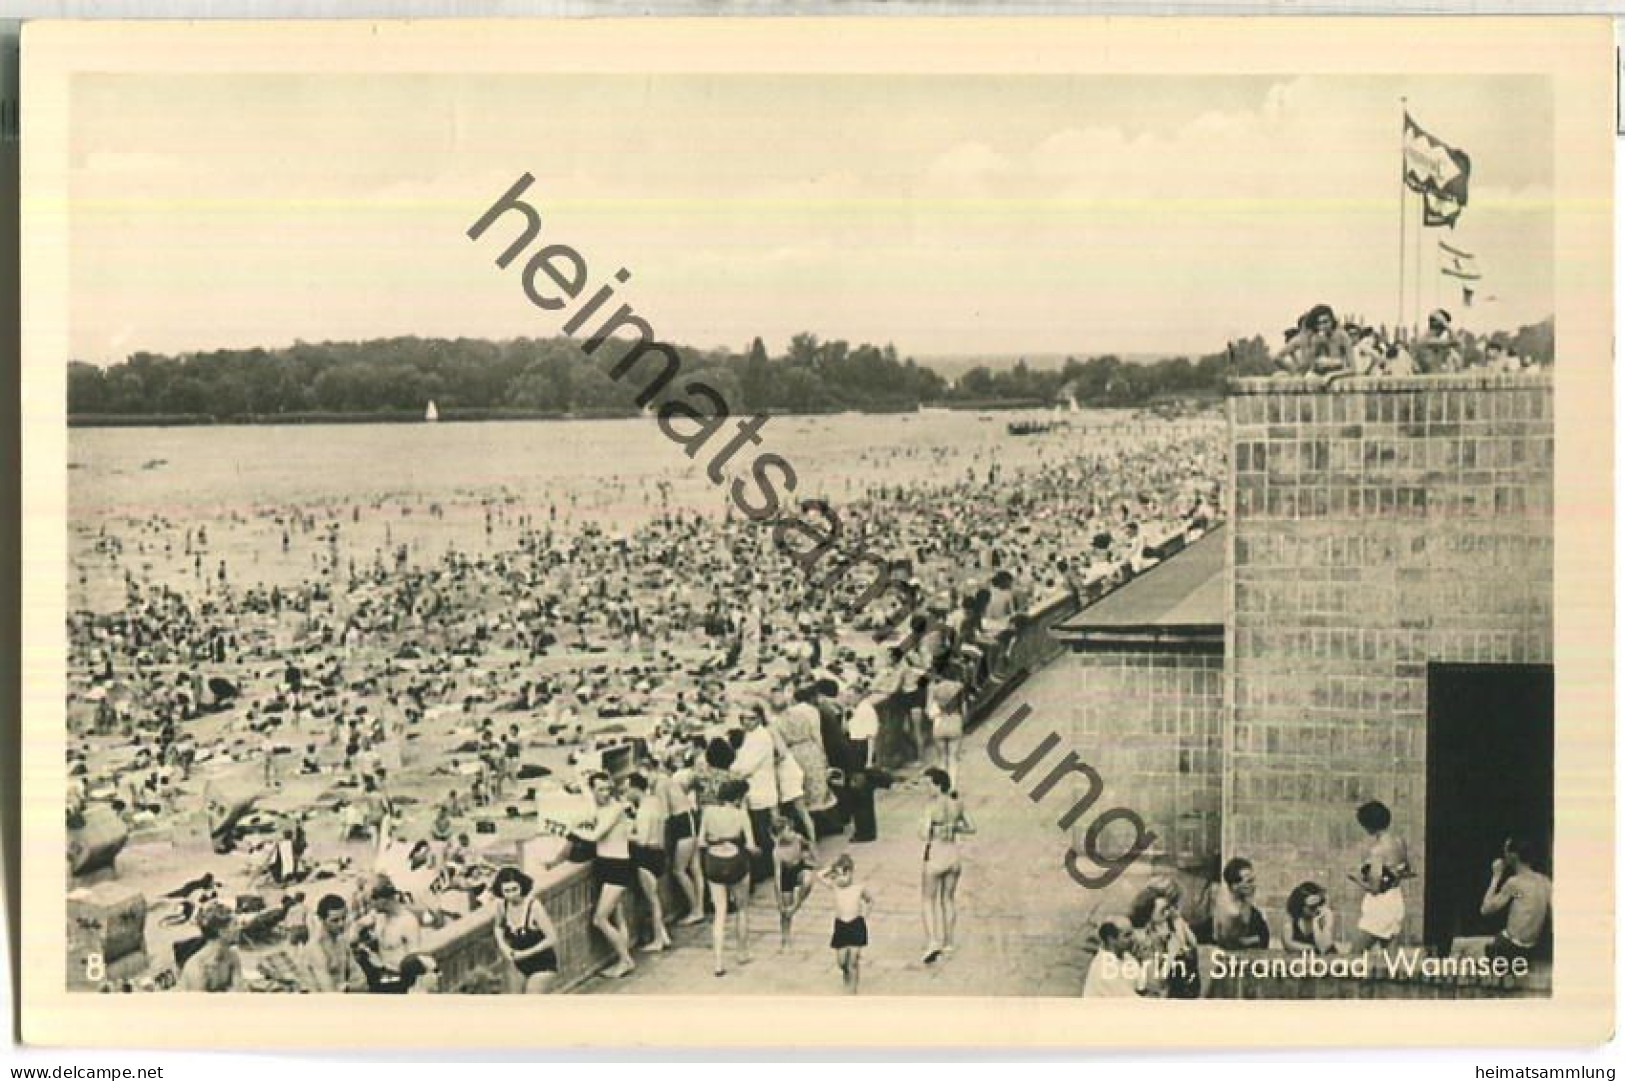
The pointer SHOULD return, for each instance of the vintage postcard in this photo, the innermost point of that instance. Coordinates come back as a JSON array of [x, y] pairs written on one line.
[[1015, 519]]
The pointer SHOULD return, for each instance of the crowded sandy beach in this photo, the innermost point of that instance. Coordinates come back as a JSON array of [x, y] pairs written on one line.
[[315, 723]]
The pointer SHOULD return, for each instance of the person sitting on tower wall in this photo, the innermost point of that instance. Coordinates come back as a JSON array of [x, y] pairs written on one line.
[[1319, 346], [1439, 350]]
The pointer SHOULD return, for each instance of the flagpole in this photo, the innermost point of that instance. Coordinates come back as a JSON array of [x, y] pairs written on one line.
[[1438, 272], [1399, 322], [1416, 284]]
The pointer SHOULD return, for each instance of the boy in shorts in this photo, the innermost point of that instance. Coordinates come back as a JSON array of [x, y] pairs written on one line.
[[852, 903]]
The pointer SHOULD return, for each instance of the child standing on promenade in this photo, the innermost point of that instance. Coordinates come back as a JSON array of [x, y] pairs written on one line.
[[852, 903]]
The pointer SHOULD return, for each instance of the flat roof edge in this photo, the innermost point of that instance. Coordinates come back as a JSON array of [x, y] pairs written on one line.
[[1389, 384]]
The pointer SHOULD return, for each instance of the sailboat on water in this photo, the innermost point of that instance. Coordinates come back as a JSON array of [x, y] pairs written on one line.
[[431, 414]]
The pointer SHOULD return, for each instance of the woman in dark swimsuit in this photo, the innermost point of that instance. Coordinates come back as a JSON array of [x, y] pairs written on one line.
[[525, 934], [1310, 923], [726, 846]]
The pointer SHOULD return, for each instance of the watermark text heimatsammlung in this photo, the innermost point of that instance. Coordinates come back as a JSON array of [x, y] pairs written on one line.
[[555, 276]]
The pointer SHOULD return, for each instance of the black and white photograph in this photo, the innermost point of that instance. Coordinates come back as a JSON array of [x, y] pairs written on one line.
[[760, 531]]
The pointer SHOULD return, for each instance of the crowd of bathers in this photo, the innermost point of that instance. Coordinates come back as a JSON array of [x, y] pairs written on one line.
[[1320, 346], [360, 736]]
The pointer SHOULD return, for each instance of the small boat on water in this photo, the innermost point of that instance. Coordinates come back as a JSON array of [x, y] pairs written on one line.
[[431, 414], [1034, 427]]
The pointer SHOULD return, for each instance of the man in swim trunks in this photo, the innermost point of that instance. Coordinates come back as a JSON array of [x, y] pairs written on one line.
[[792, 864], [329, 963], [648, 848], [512, 746], [1237, 923], [386, 936], [1524, 894]]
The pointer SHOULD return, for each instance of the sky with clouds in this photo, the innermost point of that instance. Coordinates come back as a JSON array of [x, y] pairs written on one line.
[[949, 215]]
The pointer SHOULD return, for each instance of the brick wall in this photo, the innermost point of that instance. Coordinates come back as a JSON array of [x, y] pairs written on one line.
[[1151, 721], [1376, 526]]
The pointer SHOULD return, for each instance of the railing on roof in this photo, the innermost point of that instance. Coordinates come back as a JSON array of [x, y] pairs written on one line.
[[1539, 378]]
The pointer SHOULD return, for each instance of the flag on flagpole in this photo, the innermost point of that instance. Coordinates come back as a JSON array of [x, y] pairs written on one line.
[[1439, 210], [1457, 263], [1434, 168]]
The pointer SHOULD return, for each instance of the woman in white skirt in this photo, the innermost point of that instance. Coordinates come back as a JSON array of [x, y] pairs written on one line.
[[1386, 866]]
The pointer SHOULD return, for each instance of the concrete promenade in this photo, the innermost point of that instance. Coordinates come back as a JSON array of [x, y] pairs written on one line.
[[1023, 922]]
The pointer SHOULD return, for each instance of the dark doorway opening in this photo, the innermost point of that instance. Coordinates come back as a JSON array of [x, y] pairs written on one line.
[[1489, 776]]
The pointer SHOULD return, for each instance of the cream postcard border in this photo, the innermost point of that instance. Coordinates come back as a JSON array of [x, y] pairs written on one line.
[[1576, 52]]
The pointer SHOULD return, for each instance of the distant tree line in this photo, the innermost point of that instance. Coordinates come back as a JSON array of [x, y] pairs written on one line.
[[551, 376], [1111, 381], [1537, 341], [470, 376]]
